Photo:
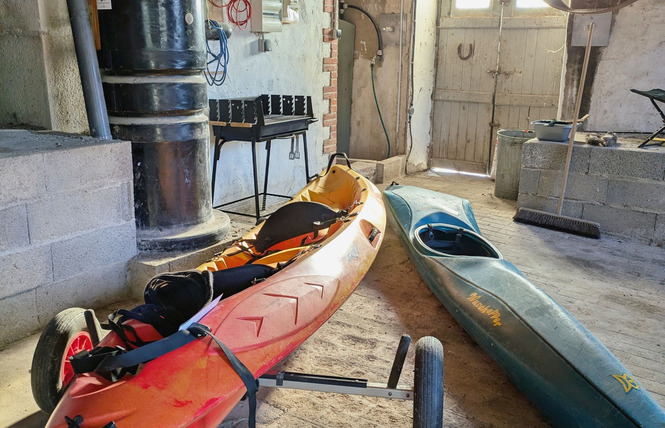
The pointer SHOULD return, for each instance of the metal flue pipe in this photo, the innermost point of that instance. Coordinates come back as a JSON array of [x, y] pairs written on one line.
[[86, 56]]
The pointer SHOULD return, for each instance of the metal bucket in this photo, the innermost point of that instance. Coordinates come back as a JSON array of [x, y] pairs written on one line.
[[509, 162]]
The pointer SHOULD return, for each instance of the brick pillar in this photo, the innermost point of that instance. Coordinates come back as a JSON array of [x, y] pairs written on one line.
[[330, 92]]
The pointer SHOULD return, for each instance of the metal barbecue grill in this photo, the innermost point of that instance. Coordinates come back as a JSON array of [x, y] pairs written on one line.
[[256, 120]]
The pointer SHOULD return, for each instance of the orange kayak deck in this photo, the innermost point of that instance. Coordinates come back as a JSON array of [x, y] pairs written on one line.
[[195, 386]]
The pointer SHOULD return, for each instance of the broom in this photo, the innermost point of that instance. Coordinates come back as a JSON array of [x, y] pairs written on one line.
[[557, 221]]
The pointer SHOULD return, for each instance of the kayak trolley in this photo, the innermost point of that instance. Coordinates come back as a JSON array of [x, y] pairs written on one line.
[[427, 394]]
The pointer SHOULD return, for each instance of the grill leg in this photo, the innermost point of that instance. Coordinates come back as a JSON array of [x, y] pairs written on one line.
[[265, 179], [304, 141], [256, 181], [218, 148]]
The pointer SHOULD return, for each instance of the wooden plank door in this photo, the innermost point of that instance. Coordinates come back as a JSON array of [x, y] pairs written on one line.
[[528, 79]]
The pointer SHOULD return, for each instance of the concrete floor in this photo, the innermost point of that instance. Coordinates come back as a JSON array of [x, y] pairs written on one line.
[[615, 288]]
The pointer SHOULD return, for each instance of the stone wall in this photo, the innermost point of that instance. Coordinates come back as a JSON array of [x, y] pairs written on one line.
[[68, 233], [635, 58], [622, 188]]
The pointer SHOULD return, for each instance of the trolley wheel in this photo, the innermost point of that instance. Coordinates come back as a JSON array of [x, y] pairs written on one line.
[[65, 335], [428, 384]]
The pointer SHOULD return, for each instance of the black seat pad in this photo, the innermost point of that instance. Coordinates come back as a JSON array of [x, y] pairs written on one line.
[[294, 219]]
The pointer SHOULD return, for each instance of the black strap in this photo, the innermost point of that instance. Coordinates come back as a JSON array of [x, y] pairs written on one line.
[[148, 352], [246, 376], [74, 422], [113, 363]]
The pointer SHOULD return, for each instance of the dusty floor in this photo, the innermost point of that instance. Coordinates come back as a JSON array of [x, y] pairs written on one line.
[[616, 289]]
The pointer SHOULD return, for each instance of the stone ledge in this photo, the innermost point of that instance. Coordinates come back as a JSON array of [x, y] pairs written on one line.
[[146, 265], [620, 187], [379, 172]]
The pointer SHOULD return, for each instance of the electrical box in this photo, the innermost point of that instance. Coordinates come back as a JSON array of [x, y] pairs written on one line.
[[291, 12], [266, 16]]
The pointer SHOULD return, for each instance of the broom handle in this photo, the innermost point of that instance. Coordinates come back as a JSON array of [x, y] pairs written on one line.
[[578, 103]]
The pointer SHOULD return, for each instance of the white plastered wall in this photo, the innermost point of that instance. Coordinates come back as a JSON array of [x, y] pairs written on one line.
[[635, 58], [293, 67]]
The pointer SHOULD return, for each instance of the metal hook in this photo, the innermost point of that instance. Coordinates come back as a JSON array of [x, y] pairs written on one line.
[[467, 56]]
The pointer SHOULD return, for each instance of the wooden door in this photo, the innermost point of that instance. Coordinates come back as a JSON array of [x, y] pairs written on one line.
[[530, 62]]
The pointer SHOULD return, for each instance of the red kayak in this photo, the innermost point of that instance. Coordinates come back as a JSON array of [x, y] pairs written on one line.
[[303, 263]]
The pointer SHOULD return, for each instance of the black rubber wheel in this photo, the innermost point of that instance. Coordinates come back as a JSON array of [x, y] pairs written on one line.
[[65, 335], [428, 384]]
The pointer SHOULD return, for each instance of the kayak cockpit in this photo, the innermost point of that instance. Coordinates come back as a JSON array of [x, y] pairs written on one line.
[[451, 240]]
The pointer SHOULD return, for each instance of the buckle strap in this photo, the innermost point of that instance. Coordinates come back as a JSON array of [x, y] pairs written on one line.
[[246, 376]]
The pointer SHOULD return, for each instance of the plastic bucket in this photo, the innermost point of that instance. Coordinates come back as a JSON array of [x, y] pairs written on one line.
[[509, 162]]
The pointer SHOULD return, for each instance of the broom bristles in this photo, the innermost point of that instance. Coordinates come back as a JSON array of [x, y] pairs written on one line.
[[562, 223]]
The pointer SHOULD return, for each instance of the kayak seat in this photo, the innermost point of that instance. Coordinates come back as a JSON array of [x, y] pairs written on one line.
[[454, 242], [292, 220], [173, 298]]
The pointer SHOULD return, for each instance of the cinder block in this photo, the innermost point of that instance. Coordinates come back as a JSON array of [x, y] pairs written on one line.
[[21, 18], [126, 202], [366, 169], [14, 228], [549, 184], [641, 194], [24, 86], [89, 251], [628, 163], [582, 187], [536, 202], [623, 222], [585, 187], [145, 266], [82, 210], [390, 169], [22, 179], [90, 166], [529, 180], [25, 269], [18, 317], [93, 288], [551, 155]]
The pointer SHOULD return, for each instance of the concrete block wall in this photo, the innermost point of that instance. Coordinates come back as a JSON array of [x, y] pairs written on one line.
[[67, 229], [622, 187]]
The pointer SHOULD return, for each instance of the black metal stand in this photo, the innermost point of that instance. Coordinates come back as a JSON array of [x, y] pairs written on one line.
[[255, 120], [255, 174], [654, 95]]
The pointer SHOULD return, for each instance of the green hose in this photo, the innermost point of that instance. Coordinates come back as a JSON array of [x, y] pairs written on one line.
[[379, 110]]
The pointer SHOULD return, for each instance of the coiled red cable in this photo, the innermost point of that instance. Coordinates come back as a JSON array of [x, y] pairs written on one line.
[[239, 12]]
